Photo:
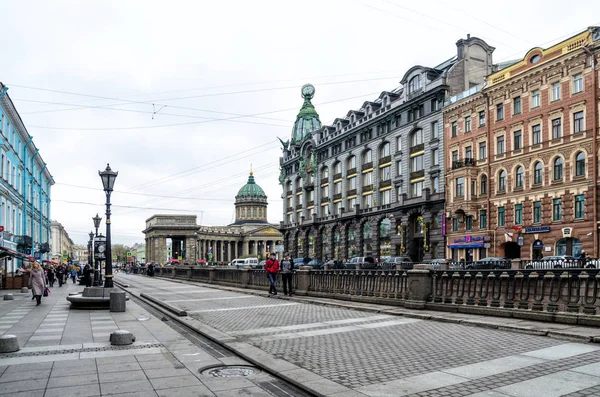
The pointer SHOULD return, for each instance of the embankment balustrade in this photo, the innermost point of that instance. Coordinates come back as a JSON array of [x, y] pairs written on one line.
[[559, 295]]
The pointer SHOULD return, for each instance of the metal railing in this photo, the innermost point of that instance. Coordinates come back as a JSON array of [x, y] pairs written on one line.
[[538, 290]]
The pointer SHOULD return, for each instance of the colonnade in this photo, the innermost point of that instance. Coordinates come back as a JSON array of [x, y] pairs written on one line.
[[226, 250]]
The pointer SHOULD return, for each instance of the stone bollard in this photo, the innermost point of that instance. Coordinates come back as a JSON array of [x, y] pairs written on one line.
[[246, 274], [9, 344], [190, 271], [117, 301], [9, 297], [419, 287], [121, 337], [211, 275], [24, 290], [303, 275]]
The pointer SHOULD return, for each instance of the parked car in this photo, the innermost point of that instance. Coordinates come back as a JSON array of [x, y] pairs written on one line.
[[489, 263], [361, 262], [316, 264], [335, 264], [391, 263], [436, 264], [236, 262], [259, 265], [554, 262], [300, 262]]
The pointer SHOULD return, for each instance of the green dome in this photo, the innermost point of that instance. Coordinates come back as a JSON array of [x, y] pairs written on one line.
[[251, 189], [307, 120]]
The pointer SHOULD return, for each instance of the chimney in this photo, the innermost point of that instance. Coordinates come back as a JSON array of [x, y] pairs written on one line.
[[468, 36]]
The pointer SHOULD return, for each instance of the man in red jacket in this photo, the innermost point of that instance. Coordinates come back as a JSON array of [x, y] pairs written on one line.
[[272, 268]]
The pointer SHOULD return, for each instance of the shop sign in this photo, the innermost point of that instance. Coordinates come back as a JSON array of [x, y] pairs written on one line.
[[538, 245], [520, 240], [567, 231], [547, 249], [472, 239], [537, 229]]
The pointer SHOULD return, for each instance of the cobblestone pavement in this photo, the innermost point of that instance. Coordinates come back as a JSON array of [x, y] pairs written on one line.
[[67, 353], [383, 355]]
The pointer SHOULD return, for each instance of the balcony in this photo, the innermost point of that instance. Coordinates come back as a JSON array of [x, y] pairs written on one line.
[[337, 196], [324, 200], [309, 185], [289, 193], [351, 192], [44, 247], [456, 164], [367, 166], [324, 180], [417, 148], [351, 171], [290, 209], [298, 206], [385, 160], [310, 203], [24, 241], [417, 174], [368, 188], [383, 184], [337, 176]]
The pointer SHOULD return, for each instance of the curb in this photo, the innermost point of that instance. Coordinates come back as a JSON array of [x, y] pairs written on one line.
[[166, 306], [393, 311], [255, 361]]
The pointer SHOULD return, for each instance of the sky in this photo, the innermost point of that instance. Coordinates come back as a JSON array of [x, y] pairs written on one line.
[[182, 98]]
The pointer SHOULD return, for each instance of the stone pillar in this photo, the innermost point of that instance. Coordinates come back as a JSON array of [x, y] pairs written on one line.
[[303, 280], [375, 238], [226, 252], [211, 275], [161, 250], [419, 287], [245, 276], [246, 248]]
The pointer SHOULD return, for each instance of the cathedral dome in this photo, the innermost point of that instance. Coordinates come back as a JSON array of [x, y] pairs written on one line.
[[251, 189], [307, 120]]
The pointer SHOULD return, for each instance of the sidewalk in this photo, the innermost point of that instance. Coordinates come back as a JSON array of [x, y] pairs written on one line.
[[381, 350], [67, 353]]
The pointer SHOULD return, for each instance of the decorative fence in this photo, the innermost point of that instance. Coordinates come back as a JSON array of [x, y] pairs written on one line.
[[557, 294]]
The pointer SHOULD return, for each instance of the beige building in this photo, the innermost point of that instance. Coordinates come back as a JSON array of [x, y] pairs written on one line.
[[61, 245]]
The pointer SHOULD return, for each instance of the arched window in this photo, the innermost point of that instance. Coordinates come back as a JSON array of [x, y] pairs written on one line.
[[385, 150], [519, 177], [254, 212], [558, 169], [502, 181], [414, 84], [337, 168], [367, 156], [325, 172], [243, 212], [580, 164], [537, 173], [351, 162], [483, 184], [416, 138]]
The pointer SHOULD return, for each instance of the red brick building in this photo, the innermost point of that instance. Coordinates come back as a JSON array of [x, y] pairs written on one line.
[[523, 157]]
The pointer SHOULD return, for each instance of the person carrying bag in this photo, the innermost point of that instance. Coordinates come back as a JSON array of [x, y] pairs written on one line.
[[37, 282], [272, 268]]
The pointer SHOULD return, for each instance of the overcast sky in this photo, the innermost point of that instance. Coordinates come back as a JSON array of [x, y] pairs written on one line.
[[85, 74]]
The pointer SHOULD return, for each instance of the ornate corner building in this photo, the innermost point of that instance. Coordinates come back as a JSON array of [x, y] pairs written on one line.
[[522, 155], [372, 183]]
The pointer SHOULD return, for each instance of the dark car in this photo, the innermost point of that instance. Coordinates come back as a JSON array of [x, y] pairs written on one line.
[[300, 262], [316, 264], [361, 262], [260, 265], [334, 264], [391, 263], [554, 262], [489, 263]]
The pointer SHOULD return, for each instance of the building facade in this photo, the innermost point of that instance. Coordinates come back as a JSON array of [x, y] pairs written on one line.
[[372, 183], [251, 235], [523, 157], [25, 184], [61, 246], [179, 237]]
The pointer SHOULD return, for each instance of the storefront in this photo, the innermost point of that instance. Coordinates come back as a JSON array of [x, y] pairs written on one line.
[[12, 268], [469, 248]]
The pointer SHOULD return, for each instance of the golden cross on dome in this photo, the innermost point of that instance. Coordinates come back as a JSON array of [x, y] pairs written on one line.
[[251, 173]]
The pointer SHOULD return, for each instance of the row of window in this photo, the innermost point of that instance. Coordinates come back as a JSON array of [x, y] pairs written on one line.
[[557, 214]]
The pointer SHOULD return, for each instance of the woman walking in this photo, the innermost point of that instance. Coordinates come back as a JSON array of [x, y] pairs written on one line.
[[37, 282], [51, 276]]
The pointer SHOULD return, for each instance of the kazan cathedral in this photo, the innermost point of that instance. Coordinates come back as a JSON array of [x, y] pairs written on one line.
[[372, 182]]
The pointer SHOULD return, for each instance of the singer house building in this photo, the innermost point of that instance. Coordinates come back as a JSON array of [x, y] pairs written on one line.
[[372, 182]]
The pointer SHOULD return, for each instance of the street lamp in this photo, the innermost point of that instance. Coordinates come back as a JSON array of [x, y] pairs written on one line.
[[97, 219], [90, 253], [108, 177]]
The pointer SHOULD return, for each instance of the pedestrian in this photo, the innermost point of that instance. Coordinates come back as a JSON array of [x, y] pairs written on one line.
[[60, 275], [272, 268], [37, 281], [150, 270], [73, 275], [51, 277], [87, 271], [286, 274]]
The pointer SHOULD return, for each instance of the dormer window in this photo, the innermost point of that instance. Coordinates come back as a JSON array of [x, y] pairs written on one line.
[[385, 100], [353, 118], [368, 109], [414, 84]]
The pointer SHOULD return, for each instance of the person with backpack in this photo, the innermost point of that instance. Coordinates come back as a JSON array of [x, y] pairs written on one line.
[[272, 268], [287, 266], [73, 274]]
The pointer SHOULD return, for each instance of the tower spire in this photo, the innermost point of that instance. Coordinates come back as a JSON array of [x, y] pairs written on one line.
[[251, 173]]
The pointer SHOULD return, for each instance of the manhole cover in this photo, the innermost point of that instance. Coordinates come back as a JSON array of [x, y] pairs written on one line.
[[229, 371]]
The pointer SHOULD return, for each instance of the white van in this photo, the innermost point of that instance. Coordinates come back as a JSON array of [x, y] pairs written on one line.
[[244, 262]]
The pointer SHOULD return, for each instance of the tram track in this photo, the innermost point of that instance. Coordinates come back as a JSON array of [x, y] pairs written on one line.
[[278, 386]]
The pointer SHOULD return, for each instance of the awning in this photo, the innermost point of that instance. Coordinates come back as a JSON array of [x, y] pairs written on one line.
[[467, 245], [6, 252]]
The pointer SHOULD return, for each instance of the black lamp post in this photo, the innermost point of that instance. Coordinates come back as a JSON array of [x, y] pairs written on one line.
[[90, 246], [97, 219], [108, 177]]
